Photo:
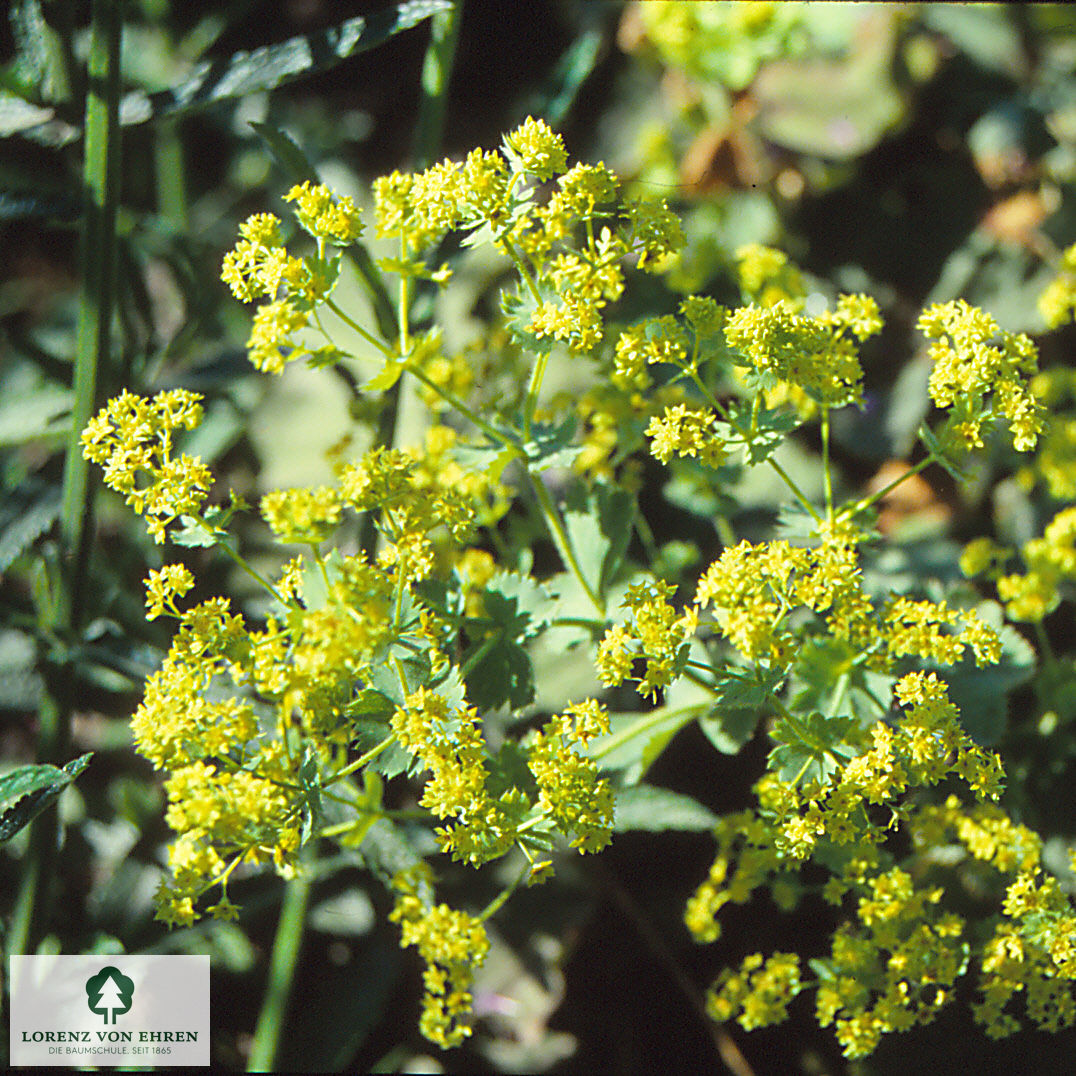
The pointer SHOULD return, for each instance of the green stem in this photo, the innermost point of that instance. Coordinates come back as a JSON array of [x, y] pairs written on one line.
[[561, 540], [716, 404], [437, 67], [351, 323], [866, 502], [827, 471], [252, 572], [63, 615], [531, 404], [363, 760], [282, 964], [498, 901]]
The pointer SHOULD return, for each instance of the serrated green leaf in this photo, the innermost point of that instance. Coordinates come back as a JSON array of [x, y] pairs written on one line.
[[599, 526], [759, 433], [728, 728], [27, 791], [389, 374], [26, 513], [654, 810], [551, 446], [266, 68]]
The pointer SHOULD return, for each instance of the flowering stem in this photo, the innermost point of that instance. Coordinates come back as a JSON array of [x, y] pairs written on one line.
[[561, 540], [537, 375], [362, 760], [285, 957], [866, 502], [827, 470], [716, 404], [356, 327], [493, 906], [521, 267], [252, 572], [451, 398]]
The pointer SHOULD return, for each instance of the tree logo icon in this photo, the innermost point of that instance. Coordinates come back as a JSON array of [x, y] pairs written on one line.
[[109, 991]]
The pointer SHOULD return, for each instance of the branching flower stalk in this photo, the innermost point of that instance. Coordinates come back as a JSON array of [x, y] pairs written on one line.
[[417, 648]]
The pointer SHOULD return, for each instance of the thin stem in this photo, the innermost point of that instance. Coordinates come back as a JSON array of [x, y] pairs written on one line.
[[285, 958], [362, 760], [827, 470], [531, 404], [252, 572], [521, 267], [866, 502], [63, 613], [499, 900], [561, 540], [716, 404], [472, 416], [437, 67], [351, 323]]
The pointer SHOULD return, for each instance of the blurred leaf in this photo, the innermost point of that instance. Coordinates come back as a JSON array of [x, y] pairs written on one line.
[[836, 109], [25, 514], [27, 791], [288, 154], [20, 682], [573, 68], [985, 32], [636, 740], [32, 415], [35, 63], [982, 694], [245, 73], [31, 205], [644, 807], [599, 525]]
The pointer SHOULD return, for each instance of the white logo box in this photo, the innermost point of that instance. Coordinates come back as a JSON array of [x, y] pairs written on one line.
[[147, 1011]]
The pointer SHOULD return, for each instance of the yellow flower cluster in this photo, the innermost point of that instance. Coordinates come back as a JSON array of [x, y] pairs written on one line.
[[767, 277], [1054, 462], [751, 589], [1050, 562], [759, 993], [568, 785], [816, 354], [163, 586], [453, 944], [260, 267], [977, 379], [914, 627], [132, 439], [336, 220], [655, 632], [686, 431], [1057, 304], [893, 969], [1032, 949], [568, 285], [448, 741]]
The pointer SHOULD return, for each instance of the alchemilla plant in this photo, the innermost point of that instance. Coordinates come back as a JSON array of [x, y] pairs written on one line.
[[400, 618]]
